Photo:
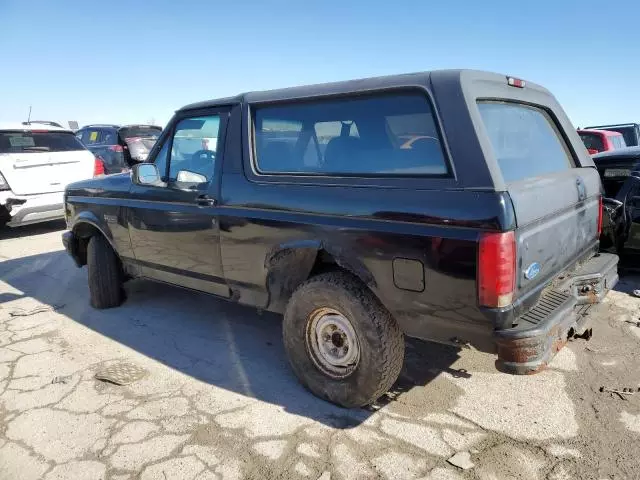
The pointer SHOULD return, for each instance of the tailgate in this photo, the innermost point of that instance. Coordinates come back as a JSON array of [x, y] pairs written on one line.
[[556, 201], [42, 161], [35, 173], [557, 221]]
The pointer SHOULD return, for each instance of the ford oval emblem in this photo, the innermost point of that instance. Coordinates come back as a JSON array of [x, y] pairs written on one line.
[[532, 271]]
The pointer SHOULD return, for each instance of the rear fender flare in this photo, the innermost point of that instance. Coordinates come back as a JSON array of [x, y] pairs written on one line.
[[290, 264], [347, 258]]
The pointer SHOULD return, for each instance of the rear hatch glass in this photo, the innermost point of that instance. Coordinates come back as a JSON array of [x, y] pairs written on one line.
[[525, 140], [34, 141], [140, 140]]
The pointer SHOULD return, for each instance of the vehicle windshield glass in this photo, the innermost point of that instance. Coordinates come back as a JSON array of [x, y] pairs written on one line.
[[592, 141], [525, 140], [33, 142]]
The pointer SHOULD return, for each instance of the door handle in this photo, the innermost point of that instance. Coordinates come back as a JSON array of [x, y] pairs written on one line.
[[205, 200]]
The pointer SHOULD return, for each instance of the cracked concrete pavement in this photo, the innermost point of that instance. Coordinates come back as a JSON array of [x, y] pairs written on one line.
[[220, 402]]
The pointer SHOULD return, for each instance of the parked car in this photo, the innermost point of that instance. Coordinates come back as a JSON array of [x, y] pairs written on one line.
[[365, 237], [630, 132], [36, 164], [620, 174], [119, 147], [598, 141]]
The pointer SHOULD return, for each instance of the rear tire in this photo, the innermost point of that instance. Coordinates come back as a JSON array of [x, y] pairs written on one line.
[[105, 274], [328, 310]]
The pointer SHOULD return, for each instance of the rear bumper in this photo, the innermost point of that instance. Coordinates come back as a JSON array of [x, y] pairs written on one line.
[[28, 209], [563, 312]]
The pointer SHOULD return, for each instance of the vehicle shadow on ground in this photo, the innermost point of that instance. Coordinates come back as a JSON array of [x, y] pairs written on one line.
[[7, 233], [215, 341], [629, 280]]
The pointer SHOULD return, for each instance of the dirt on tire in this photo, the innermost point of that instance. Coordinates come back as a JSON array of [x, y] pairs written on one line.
[[380, 339]]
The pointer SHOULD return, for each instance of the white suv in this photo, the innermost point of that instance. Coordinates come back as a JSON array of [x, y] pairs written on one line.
[[37, 162]]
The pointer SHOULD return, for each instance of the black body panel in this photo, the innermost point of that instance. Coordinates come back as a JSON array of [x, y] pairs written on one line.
[[412, 240]]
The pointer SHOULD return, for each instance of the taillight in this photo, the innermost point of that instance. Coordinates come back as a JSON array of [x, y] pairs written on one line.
[[600, 208], [98, 167], [496, 269], [116, 148]]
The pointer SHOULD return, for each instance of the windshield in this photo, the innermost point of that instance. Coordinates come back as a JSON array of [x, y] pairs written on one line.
[[34, 141], [525, 140]]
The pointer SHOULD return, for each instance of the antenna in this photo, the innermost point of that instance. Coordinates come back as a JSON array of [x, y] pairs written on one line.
[[29, 118]]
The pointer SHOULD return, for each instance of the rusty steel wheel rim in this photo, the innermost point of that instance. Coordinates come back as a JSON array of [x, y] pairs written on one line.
[[332, 343]]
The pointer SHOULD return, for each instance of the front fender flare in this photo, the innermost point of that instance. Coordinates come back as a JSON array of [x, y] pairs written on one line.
[[86, 219]]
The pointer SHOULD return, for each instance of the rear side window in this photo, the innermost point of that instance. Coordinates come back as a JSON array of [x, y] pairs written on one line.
[[618, 141], [628, 133], [592, 141], [381, 135], [525, 140], [33, 142], [109, 137], [91, 136]]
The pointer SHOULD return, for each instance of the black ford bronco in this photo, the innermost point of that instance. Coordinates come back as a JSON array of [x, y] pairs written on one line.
[[453, 206]]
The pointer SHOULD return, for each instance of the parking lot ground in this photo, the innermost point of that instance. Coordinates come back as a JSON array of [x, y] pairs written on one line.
[[212, 397]]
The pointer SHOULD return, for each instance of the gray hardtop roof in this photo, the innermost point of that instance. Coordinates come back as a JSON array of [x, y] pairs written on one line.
[[614, 125], [354, 86]]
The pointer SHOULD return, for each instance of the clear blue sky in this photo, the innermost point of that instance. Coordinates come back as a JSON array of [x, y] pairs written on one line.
[[132, 61]]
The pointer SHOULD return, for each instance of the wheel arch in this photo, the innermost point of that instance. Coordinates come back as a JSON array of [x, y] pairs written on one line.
[[290, 264], [84, 226]]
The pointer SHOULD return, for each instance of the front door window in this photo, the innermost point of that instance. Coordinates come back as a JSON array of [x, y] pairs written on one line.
[[193, 151]]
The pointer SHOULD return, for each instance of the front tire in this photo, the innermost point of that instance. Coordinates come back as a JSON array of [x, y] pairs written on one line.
[[105, 274], [342, 344]]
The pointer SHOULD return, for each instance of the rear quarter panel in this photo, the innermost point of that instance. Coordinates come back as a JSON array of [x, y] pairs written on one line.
[[415, 250]]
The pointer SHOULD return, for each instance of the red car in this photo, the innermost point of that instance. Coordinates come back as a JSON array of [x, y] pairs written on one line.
[[598, 141]]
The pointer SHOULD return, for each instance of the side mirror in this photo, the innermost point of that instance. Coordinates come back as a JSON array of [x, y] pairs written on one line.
[[185, 176], [592, 151], [145, 174]]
